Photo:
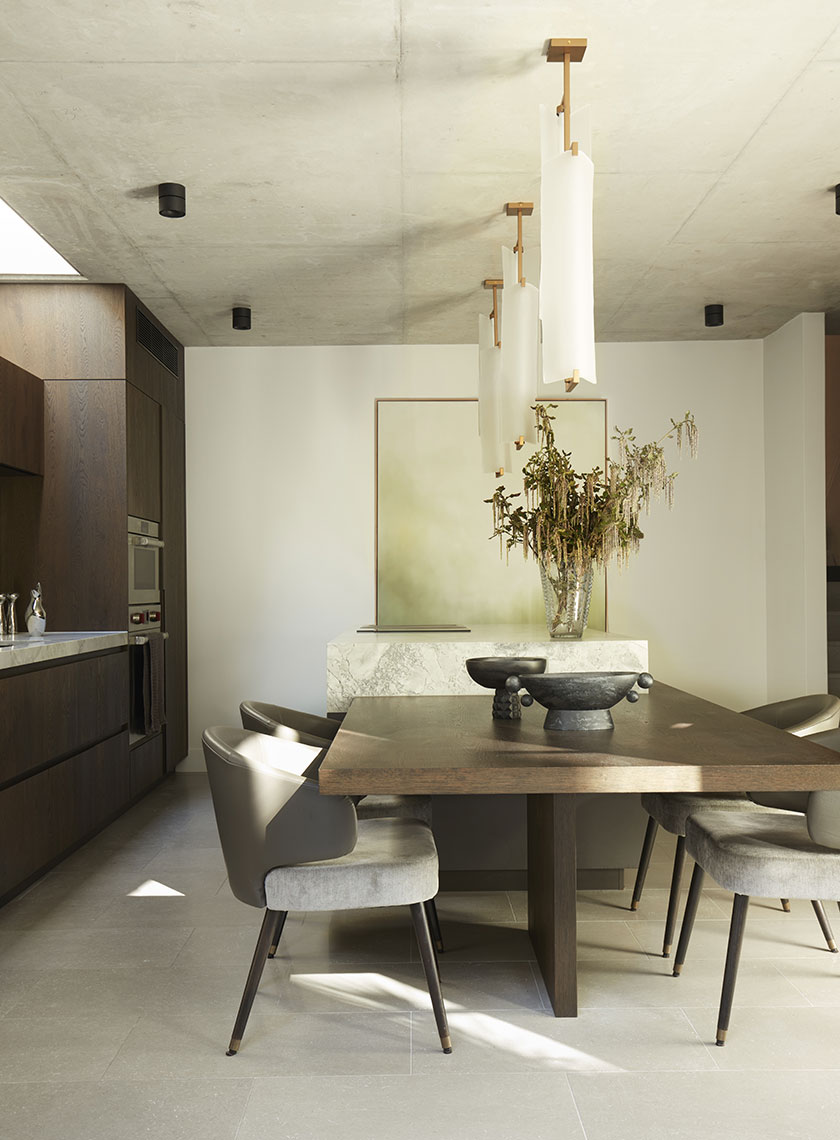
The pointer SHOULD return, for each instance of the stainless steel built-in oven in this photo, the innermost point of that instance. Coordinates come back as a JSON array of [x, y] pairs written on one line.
[[144, 548], [146, 672]]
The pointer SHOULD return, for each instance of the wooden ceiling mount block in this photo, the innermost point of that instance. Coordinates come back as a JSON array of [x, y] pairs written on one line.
[[514, 208], [557, 49], [493, 283]]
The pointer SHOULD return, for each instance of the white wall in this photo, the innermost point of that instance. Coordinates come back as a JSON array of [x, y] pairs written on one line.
[[794, 474], [280, 464]]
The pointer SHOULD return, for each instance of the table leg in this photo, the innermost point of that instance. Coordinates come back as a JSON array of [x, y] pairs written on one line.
[[552, 882]]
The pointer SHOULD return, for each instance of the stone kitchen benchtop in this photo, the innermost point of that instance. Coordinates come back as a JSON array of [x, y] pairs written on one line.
[[426, 663], [33, 649]]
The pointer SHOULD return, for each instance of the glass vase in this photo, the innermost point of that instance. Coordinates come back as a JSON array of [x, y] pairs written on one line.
[[567, 593]]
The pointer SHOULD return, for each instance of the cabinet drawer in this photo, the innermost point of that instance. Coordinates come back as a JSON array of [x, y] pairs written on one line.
[[146, 764], [55, 712], [50, 812]]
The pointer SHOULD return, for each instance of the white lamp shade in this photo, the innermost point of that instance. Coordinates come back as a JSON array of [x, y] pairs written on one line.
[[489, 398], [567, 305], [520, 335]]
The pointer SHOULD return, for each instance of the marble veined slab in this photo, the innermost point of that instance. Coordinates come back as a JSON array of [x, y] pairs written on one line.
[[432, 663], [33, 649]]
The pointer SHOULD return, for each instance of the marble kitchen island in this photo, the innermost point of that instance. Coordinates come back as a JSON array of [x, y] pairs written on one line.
[[429, 664], [482, 839]]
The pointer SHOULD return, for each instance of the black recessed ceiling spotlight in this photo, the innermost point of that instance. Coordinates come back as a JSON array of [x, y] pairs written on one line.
[[172, 200], [714, 316], [241, 317]]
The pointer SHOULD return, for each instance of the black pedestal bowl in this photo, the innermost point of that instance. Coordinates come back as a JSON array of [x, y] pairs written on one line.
[[493, 673], [581, 702]]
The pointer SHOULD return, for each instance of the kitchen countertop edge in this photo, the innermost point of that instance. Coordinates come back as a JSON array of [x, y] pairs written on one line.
[[30, 649]]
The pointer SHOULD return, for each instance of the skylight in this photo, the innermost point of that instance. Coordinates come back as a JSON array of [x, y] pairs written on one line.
[[23, 252]]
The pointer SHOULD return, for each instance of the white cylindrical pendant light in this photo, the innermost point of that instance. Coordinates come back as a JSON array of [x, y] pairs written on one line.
[[489, 398], [520, 334], [567, 305]]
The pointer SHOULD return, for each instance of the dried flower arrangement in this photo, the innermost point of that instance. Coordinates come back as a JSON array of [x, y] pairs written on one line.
[[584, 519]]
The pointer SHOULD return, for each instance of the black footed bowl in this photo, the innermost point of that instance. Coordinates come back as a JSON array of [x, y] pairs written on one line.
[[493, 673], [581, 701]]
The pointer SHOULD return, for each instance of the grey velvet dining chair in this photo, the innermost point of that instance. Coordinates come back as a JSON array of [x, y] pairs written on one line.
[[288, 848], [319, 731], [769, 854], [800, 716]]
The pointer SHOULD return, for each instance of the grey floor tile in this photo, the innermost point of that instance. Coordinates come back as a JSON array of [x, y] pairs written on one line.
[[702, 1106], [276, 1041], [475, 906], [90, 949], [643, 1040], [817, 978], [447, 1106], [125, 1110], [807, 1038], [190, 909], [15, 986], [767, 935], [607, 940], [649, 981], [52, 1049], [484, 942]]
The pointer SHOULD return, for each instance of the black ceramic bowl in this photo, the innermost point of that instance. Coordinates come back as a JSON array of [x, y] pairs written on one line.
[[493, 673], [581, 701]]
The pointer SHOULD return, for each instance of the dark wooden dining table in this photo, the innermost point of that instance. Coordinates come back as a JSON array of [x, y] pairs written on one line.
[[669, 741]]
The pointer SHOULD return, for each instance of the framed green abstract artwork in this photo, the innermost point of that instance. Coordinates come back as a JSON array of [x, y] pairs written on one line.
[[436, 561]]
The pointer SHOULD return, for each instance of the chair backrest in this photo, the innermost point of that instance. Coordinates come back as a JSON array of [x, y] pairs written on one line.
[[823, 818], [798, 801], [288, 724], [802, 716], [268, 813]]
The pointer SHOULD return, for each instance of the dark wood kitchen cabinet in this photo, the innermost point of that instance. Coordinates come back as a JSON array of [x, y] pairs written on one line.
[[114, 430], [21, 421], [64, 759]]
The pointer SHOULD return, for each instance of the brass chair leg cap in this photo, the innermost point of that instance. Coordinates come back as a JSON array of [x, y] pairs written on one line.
[[634, 905], [446, 1044], [677, 971]]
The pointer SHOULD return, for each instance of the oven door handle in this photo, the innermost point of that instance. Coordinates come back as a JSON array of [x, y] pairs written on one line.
[[142, 638], [144, 540]]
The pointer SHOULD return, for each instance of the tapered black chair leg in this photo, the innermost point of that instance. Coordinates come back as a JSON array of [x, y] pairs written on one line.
[[730, 970], [269, 923], [825, 925], [694, 892], [785, 905], [434, 925], [674, 897], [644, 861], [427, 954], [278, 930]]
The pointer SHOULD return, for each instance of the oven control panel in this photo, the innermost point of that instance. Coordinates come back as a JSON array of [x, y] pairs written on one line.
[[144, 619]]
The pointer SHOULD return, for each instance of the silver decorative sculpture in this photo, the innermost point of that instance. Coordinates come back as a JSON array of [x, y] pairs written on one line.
[[36, 615]]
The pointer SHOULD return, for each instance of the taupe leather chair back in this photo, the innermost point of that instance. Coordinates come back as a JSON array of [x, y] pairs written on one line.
[[799, 801], [816, 712], [288, 724], [823, 818], [268, 813]]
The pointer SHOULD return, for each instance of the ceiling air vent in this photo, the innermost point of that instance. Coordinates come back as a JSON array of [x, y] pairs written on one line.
[[156, 343]]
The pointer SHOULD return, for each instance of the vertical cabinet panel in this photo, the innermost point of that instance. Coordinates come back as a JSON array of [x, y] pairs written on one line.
[[146, 765], [43, 817], [142, 431], [174, 573], [67, 531], [21, 419]]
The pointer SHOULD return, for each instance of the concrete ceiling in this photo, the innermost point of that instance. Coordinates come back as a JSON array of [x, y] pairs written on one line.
[[347, 161]]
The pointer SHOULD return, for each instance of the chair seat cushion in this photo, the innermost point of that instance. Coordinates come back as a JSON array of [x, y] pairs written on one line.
[[404, 807], [769, 854], [672, 809], [394, 863]]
